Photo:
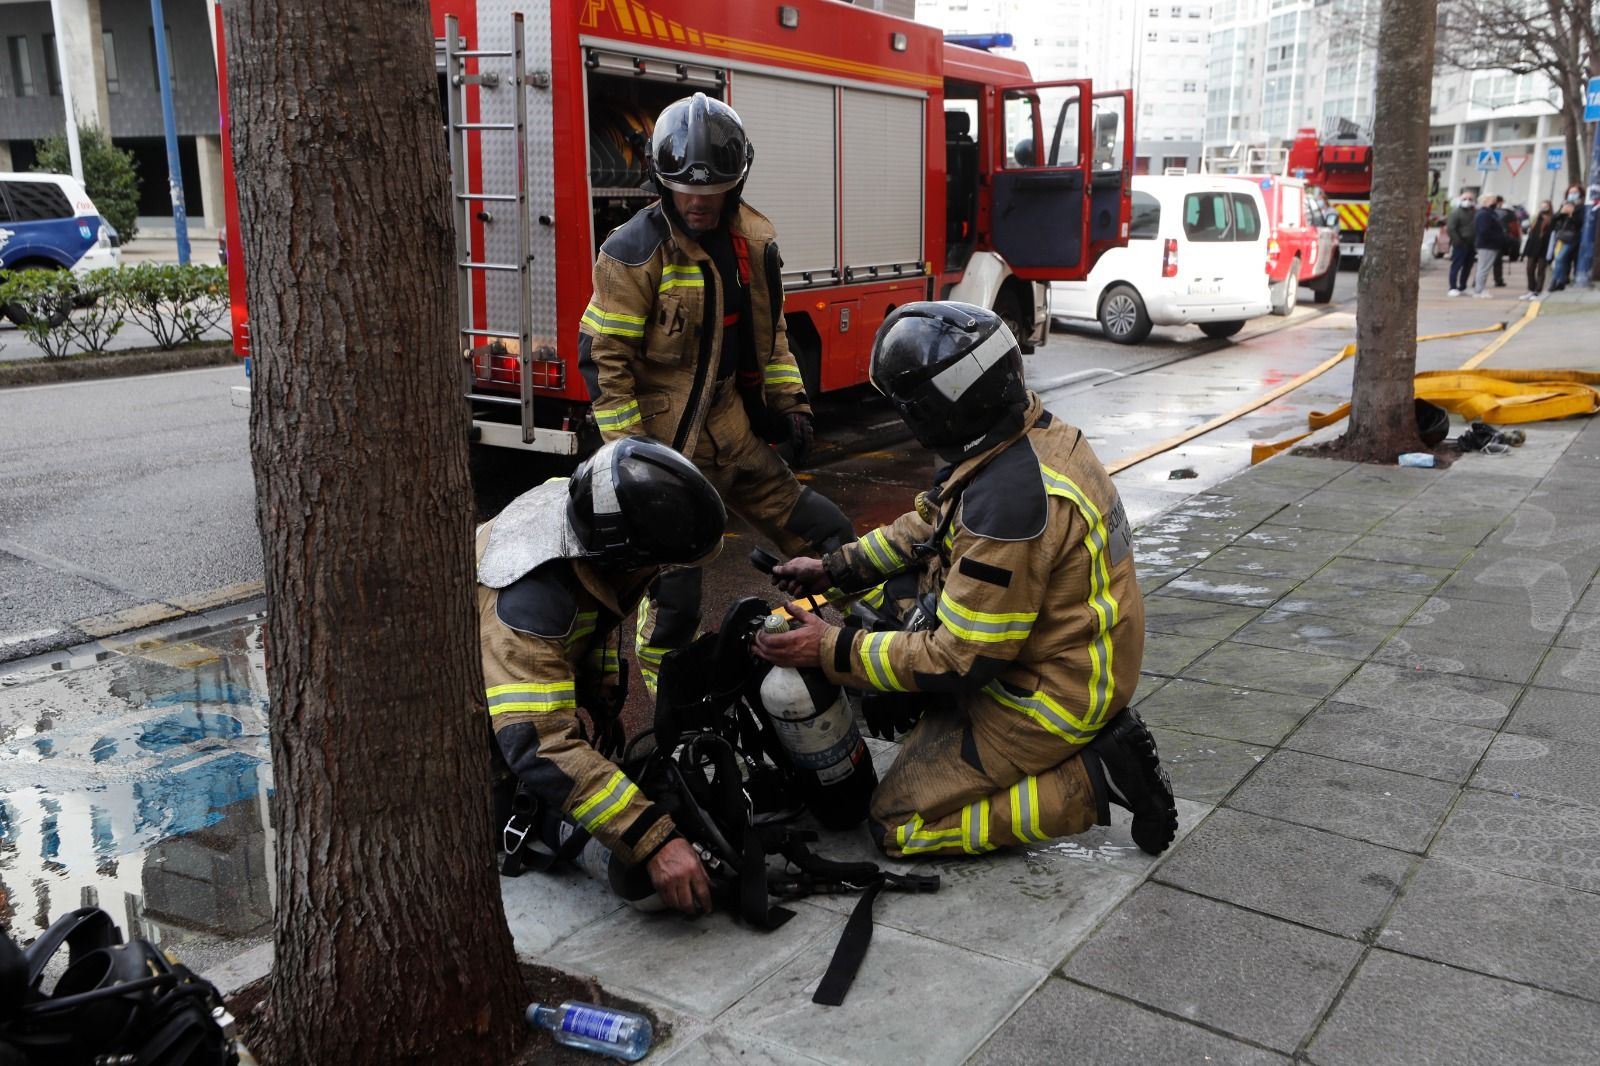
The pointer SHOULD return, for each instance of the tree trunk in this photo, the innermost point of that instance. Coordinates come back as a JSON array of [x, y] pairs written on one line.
[[1382, 418], [391, 942]]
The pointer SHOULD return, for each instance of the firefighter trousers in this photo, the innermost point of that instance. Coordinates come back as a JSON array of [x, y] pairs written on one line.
[[758, 486], [972, 779]]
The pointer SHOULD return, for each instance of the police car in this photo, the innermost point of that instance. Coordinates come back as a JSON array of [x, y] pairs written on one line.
[[47, 222]]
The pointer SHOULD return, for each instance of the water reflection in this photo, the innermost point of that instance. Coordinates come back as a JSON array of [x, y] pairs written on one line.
[[139, 783]]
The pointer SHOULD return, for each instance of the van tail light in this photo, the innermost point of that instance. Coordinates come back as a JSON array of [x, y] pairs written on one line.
[[1272, 250], [1169, 259]]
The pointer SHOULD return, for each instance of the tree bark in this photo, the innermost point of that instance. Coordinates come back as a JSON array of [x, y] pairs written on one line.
[[391, 941], [1382, 417]]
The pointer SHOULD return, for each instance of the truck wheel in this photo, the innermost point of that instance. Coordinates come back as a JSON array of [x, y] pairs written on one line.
[[1284, 299], [1322, 288], [1123, 318], [1222, 330], [1008, 309]]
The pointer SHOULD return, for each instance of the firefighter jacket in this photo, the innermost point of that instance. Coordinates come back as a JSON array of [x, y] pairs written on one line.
[[651, 338], [1028, 568], [546, 653]]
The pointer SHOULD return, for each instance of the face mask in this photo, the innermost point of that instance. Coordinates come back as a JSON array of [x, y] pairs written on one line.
[[1572, 198], [1466, 203]]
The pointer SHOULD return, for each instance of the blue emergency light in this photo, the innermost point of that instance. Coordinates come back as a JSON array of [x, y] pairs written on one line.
[[982, 41]]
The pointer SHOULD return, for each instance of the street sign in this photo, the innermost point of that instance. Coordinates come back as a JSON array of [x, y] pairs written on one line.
[[1591, 101], [1488, 159], [1555, 158], [1515, 163]]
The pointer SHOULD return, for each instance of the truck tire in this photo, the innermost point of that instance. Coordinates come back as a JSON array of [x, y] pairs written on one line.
[[1286, 296], [1008, 309], [1123, 318], [1222, 330], [1322, 288]]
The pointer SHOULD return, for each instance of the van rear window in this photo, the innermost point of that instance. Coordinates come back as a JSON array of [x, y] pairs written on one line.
[[37, 201], [1246, 218], [1206, 217], [1146, 222]]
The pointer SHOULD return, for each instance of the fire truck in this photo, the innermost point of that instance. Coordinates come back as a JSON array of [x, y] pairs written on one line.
[[894, 164], [1342, 168]]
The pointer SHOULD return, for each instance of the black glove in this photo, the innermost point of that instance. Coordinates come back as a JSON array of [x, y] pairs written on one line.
[[801, 434], [889, 714]]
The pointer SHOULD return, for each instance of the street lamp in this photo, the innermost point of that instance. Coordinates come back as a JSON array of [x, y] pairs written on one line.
[[63, 68]]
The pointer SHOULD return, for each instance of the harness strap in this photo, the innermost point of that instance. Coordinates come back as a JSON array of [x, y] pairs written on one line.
[[741, 252], [521, 825]]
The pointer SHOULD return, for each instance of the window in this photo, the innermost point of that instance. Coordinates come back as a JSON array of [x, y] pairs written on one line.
[[37, 201], [1293, 206], [1246, 217], [1177, 12], [1191, 87], [155, 65], [1206, 218], [52, 69], [1152, 36], [108, 45], [21, 67], [1146, 221], [1155, 12]]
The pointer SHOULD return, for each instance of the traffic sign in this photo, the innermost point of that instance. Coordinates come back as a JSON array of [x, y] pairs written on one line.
[[1515, 163], [1488, 159], [1555, 158], [1591, 101]]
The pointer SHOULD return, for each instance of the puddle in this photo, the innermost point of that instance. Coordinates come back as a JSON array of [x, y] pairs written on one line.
[[138, 781]]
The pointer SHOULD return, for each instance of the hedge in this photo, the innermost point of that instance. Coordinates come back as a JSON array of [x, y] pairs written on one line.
[[66, 313]]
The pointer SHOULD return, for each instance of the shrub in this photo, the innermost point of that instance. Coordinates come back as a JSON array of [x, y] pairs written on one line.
[[40, 302], [177, 304], [63, 312], [100, 312], [109, 175]]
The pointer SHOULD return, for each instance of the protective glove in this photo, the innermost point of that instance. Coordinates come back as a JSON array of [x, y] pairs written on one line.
[[890, 714], [801, 434]]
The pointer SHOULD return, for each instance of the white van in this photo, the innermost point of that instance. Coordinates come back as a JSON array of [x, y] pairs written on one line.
[[1196, 254]]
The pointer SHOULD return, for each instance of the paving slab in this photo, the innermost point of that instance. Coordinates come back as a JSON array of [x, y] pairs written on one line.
[[1189, 530], [1186, 617], [1469, 622], [1162, 552], [1508, 927], [1228, 509], [1398, 482], [1250, 666], [1205, 769], [1573, 669], [1388, 577], [1400, 1011], [715, 1047], [1279, 977], [1152, 578], [1581, 630], [1304, 875], [1413, 524], [1241, 589], [1395, 810], [1524, 836], [1332, 510], [1166, 655], [1300, 631], [1066, 1022], [1428, 747], [1556, 715], [1398, 550], [1533, 766], [915, 999], [1327, 542], [1225, 711], [543, 909], [1332, 600], [1264, 562], [1429, 694]]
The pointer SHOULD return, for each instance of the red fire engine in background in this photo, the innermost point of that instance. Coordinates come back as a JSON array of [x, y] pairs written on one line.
[[895, 165], [1342, 168]]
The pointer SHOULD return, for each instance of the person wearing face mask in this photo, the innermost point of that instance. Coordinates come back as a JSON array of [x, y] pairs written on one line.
[[1535, 250], [1462, 235], [1489, 240], [1564, 234], [684, 340]]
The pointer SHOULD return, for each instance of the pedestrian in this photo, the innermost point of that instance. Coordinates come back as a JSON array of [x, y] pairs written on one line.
[[1023, 625], [1489, 237], [684, 340], [1462, 234], [1536, 250], [1511, 222], [558, 570], [1565, 233]]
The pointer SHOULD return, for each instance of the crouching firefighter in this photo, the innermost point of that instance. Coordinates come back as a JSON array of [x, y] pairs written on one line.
[[1019, 645], [558, 570]]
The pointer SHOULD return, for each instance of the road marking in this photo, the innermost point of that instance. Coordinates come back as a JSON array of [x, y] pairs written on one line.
[[62, 566]]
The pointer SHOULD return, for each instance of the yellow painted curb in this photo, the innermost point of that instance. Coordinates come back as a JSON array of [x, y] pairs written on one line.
[[146, 614]]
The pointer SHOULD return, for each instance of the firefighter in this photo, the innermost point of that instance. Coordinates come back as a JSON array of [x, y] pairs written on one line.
[[1027, 630], [685, 340], [558, 570]]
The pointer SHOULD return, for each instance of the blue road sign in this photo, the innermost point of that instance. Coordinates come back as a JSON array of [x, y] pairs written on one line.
[[1555, 159], [1591, 101], [1488, 159]]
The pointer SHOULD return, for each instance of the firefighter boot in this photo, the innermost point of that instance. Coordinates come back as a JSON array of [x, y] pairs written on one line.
[[1124, 768]]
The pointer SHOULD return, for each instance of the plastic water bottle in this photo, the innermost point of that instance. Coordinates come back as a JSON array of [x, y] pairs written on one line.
[[619, 1033]]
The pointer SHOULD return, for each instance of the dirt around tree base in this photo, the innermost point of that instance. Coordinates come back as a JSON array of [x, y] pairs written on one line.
[[544, 985], [1341, 448]]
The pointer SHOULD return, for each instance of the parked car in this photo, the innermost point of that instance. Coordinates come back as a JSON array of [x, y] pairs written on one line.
[[47, 222], [1196, 255], [1302, 249]]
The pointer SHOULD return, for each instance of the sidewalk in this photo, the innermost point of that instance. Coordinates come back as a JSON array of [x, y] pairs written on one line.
[[1378, 692]]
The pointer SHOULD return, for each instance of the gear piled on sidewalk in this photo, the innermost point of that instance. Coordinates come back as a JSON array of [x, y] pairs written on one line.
[[1482, 437]]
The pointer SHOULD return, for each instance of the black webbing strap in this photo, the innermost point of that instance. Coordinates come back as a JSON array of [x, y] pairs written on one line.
[[849, 952], [520, 826]]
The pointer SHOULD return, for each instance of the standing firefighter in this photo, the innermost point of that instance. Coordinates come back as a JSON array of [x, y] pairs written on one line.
[[558, 570], [1024, 629], [684, 340]]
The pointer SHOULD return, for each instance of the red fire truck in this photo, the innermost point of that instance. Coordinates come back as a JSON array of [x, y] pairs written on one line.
[[895, 165], [1342, 168]]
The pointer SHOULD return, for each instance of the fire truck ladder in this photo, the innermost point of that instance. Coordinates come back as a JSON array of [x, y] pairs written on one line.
[[467, 207]]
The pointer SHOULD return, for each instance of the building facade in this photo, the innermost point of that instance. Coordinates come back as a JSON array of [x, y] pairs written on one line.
[[1519, 116]]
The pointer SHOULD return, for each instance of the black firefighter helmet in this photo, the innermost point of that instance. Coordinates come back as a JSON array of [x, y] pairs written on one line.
[[954, 373], [637, 503], [699, 146]]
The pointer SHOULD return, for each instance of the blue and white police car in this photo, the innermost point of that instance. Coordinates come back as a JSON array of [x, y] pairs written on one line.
[[47, 222]]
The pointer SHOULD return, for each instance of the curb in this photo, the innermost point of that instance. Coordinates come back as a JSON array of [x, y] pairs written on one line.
[[128, 364]]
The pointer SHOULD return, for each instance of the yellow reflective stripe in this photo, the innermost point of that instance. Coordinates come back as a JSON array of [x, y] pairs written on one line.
[[874, 657], [1102, 684], [783, 374], [681, 277], [582, 626], [607, 803], [975, 828], [620, 417], [980, 626], [913, 838], [540, 698], [880, 552], [685, 270], [873, 597], [1046, 711], [614, 324], [1024, 797]]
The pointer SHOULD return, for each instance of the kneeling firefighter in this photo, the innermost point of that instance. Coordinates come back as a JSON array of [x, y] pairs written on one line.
[[1018, 646], [558, 570]]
